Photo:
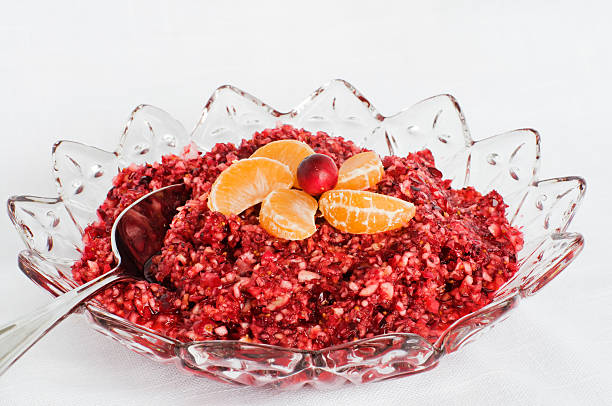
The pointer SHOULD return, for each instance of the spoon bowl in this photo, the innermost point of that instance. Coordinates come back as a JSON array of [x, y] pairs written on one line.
[[137, 235]]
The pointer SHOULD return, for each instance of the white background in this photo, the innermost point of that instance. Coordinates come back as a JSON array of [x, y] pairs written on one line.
[[71, 70]]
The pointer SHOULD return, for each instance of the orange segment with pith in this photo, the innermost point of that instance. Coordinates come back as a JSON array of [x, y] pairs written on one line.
[[246, 183], [288, 214], [289, 152], [361, 171], [362, 212]]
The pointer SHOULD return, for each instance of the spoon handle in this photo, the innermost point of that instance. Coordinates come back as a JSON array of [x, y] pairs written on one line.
[[19, 335]]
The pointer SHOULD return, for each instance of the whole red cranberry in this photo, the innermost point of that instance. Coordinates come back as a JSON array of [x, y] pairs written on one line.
[[317, 173]]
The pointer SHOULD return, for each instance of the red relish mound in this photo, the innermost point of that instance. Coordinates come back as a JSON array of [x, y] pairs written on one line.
[[225, 277]]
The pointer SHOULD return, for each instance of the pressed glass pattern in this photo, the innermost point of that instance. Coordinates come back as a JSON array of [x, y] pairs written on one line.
[[51, 227]]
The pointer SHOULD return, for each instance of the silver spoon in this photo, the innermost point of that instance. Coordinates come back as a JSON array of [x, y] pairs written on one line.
[[137, 234]]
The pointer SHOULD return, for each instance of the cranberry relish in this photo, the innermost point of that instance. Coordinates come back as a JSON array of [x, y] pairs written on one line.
[[226, 278]]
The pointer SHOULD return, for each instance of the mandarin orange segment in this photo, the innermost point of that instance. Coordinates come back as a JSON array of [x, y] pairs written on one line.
[[289, 152], [362, 212], [288, 214], [246, 183], [361, 171]]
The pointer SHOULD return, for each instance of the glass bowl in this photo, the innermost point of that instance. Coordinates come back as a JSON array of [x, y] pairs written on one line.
[[51, 227]]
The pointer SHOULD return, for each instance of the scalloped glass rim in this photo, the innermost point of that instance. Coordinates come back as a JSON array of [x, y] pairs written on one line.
[[51, 227]]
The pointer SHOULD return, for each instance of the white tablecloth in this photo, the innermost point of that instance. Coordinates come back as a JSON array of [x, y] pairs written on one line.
[[74, 70]]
